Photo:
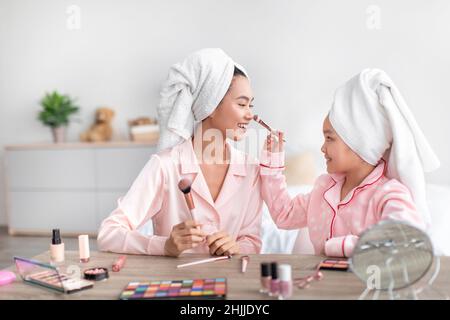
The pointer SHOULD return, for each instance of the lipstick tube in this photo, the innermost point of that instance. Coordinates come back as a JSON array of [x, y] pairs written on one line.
[[83, 244], [119, 263]]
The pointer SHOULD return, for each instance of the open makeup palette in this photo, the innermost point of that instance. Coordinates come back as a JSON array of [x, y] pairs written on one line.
[[48, 276]]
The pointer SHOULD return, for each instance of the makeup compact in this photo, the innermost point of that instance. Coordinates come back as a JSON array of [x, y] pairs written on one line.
[[96, 274], [334, 264]]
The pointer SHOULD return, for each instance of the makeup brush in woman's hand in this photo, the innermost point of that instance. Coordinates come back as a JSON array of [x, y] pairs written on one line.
[[185, 186], [265, 125]]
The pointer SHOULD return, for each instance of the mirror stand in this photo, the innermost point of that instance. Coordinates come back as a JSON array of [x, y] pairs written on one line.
[[418, 291]]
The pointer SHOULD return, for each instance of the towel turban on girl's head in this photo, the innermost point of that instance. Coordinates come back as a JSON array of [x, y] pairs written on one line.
[[372, 118], [192, 91]]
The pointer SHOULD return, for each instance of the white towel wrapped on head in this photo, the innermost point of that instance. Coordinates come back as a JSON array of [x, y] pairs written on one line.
[[192, 91], [372, 118]]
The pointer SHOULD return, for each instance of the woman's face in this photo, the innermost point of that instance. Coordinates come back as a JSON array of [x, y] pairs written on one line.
[[234, 113], [340, 158]]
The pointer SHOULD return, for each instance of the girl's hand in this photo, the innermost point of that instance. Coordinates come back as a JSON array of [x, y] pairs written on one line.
[[185, 235], [220, 243], [274, 142]]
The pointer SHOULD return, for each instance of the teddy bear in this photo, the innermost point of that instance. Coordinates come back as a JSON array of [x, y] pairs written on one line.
[[101, 130]]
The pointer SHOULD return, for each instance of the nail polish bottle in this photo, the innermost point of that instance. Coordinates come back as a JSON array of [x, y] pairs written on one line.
[[285, 271], [274, 282], [56, 247], [83, 243], [265, 277]]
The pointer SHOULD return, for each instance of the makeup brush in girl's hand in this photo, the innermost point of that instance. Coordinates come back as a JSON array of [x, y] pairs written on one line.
[[265, 125]]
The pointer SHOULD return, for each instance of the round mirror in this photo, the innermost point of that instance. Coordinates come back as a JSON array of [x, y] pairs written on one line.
[[392, 254]]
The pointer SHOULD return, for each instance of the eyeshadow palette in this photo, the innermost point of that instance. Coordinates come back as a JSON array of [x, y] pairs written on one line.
[[334, 264], [48, 276], [60, 282], [215, 288]]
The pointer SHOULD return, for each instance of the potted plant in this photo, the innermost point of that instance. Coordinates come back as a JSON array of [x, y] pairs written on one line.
[[56, 112]]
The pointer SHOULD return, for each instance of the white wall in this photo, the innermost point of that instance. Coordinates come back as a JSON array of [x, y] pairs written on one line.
[[297, 53]]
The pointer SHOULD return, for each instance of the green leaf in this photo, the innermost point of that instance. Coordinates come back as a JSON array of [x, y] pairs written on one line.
[[57, 109]]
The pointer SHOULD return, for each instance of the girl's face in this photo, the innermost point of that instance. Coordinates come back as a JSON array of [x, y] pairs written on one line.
[[340, 158], [234, 113]]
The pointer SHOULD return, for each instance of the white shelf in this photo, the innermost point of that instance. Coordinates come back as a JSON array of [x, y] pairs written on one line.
[[79, 145], [70, 186]]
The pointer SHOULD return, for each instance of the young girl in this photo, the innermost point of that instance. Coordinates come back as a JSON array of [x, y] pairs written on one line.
[[207, 92], [375, 155]]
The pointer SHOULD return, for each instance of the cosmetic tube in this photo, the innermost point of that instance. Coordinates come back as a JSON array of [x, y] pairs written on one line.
[[83, 243]]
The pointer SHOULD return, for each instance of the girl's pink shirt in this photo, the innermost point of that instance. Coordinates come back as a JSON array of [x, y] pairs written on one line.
[[334, 225]]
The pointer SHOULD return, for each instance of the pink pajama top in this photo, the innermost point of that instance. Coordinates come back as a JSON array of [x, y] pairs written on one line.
[[155, 195], [334, 225]]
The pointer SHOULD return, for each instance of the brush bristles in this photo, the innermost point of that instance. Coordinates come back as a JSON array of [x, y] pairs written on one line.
[[185, 185]]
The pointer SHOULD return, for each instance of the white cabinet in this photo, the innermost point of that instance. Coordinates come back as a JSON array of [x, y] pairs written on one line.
[[51, 169], [41, 211], [113, 167], [106, 202], [72, 187]]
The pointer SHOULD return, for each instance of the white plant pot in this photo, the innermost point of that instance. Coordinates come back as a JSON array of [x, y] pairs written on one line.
[[59, 134]]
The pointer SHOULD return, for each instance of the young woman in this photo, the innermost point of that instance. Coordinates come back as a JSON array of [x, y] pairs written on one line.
[[206, 99], [375, 154]]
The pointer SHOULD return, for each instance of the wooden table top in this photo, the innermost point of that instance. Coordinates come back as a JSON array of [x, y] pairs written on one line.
[[335, 284]]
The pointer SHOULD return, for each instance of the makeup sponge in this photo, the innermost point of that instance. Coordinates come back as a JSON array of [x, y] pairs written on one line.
[[6, 277]]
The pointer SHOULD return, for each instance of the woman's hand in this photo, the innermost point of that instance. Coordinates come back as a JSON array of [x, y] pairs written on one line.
[[185, 235], [274, 142], [220, 243]]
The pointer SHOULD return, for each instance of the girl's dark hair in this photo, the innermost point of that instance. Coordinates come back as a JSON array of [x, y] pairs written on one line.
[[238, 72]]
